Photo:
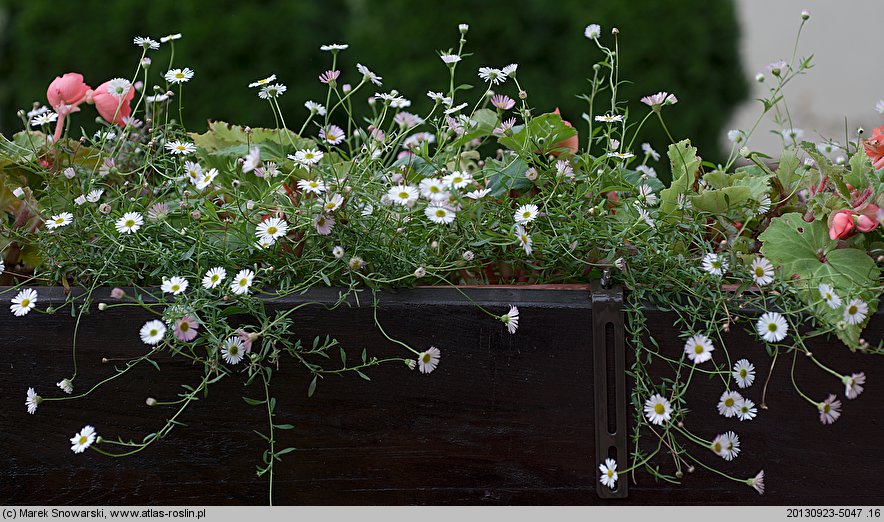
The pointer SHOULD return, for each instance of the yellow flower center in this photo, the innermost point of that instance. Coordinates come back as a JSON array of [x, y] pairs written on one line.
[[698, 349], [659, 409], [440, 213], [610, 473], [852, 310], [403, 195], [717, 447], [83, 439], [772, 327], [25, 302], [184, 326], [526, 214], [271, 230], [759, 271], [743, 372], [130, 223], [729, 402]]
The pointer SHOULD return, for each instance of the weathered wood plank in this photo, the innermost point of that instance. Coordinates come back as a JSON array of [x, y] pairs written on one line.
[[505, 419]]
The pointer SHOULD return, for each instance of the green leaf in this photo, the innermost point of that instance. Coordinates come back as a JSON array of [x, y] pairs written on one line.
[[312, 387], [252, 402], [153, 363], [363, 375], [485, 121], [721, 201], [510, 176], [284, 451], [787, 171], [283, 426], [540, 135], [343, 357], [804, 250], [685, 167]]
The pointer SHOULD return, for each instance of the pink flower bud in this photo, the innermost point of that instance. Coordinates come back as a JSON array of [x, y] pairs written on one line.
[[841, 225], [67, 90]]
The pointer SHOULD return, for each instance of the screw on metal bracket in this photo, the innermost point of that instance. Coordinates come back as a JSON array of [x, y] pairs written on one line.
[[609, 386]]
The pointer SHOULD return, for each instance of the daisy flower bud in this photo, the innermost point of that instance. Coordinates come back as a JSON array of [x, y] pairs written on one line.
[[19, 193], [102, 306], [463, 28], [151, 401], [805, 15], [759, 78]]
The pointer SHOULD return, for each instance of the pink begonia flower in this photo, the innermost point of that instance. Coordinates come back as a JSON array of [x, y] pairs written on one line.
[[65, 94], [841, 224], [570, 143], [875, 148], [867, 220], [110, 107]]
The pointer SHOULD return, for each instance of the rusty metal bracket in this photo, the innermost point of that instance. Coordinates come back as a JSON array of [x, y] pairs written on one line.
[[609, 370]]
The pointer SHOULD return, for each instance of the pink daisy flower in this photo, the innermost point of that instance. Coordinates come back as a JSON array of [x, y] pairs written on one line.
[[502, 102], [324, 224], [329, 76], [185, 328]]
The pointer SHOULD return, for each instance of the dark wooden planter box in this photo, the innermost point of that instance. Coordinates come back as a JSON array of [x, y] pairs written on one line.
[[505, 419]]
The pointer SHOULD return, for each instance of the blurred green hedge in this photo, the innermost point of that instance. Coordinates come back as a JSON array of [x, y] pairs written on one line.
[[687, 48]]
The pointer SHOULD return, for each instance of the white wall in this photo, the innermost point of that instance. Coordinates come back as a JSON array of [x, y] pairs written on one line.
[[847, 79]]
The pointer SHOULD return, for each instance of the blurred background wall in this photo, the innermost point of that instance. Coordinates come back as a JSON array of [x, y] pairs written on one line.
[[847, 79], [685, 47]]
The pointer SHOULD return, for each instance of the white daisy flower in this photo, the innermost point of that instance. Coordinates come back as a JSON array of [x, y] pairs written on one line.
[[332, 134], [233, 350], [658, 410], [439, 214], [193, 171], [477, 194], [44, 118], [23, 302], [621, 155], [404, 195], [119, 87], [454, 109], [179, 147], [592, 31], [744, 373], [32, 401], [698, 348], [420, 272], [829, 296], [510, 69], [2, 266], [179, 75], [312, 186], [608, 473], [332, 203], [434, 189], [242, 282], [449, 58], [428, 360], [736, 136], [643, 214], [66, 386], [314, 107], [272, 228], [147, 43], [94, 195], [746, 409], [272, 91], [526, 213], [60, 220], [609, 118], [458, 179], [333, 47], [726, 446], [338, 252], [83, 439], [853, 384], [492, 75], [524, 239], [762, 271], [129, 223], [262, 82], [214, 277], [306, 157], [855, 311], [757, 482], [727, 404], [175, 285], [830, 410], [715, 264], [79, 200], [646, 195], [207, 179], [649, 151], [511, 319], [252, 160], [368, 75], [170, 37], [772, 327], [153, 332], [792, 136]]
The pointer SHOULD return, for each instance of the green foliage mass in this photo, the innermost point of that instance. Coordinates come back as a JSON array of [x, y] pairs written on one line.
[[687, 48]]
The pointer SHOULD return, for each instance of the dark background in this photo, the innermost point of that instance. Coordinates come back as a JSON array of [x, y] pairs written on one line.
[[687, 48]]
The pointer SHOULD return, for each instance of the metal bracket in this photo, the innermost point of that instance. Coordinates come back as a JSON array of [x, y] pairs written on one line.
[[609, 386]]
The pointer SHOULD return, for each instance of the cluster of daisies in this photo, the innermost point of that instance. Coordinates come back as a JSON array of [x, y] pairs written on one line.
[[772, 326]]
